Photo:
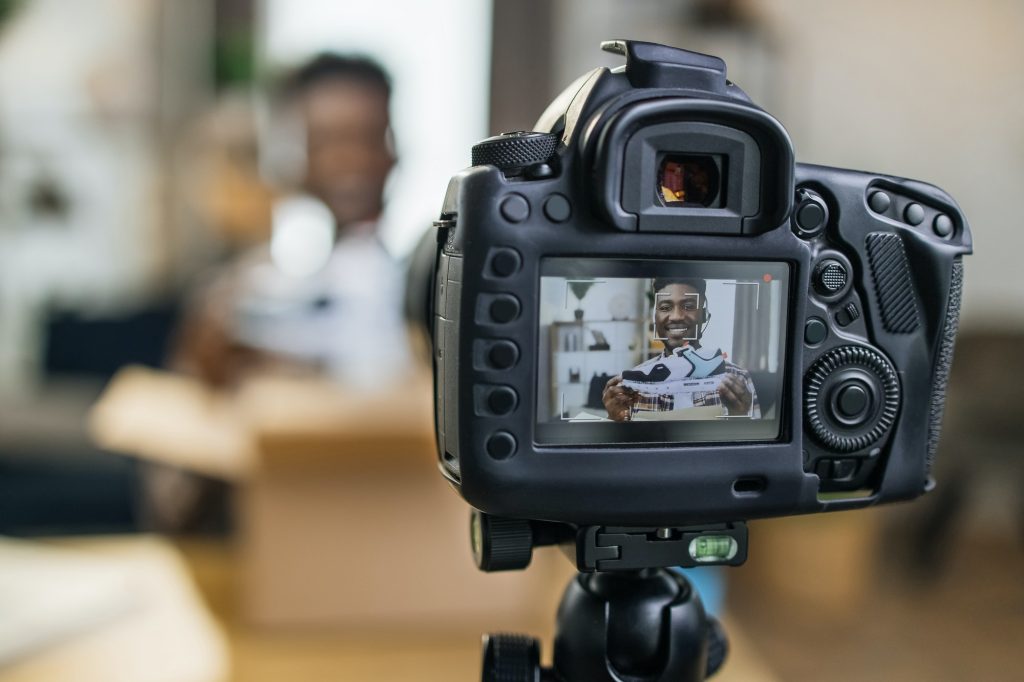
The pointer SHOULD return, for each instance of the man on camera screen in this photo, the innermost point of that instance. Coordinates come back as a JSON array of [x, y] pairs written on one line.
[[684, 376]]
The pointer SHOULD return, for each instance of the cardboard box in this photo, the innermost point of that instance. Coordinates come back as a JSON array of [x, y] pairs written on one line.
[[343, 518]]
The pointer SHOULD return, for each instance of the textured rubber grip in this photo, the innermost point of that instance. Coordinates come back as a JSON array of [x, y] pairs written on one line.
[[944, 361], [894, 286]]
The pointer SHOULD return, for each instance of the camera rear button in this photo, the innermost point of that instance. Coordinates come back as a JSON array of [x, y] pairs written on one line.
[[879, 202], [943, 226], [557, 208], [505, 262], [515, 208], [913, 214], [815, 331], [504, 308], [853, 401], [501, 445], [502, 400], [502, 355]]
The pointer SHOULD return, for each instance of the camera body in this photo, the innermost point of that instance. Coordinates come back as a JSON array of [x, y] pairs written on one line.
[[646, 314]]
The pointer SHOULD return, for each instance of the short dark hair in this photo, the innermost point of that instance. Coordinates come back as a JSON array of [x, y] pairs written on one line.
[[329, 66], [697, 283]]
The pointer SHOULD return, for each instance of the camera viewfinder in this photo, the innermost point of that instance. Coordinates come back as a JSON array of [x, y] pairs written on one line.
[[690, 180]]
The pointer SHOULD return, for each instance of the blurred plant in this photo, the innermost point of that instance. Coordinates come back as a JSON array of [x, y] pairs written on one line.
[[8, 8]]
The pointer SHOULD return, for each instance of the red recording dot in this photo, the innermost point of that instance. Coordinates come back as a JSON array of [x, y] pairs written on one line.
[[767, 277]]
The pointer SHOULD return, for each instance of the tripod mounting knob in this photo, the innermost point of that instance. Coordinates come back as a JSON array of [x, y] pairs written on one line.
[[511, 658], [500, 544]]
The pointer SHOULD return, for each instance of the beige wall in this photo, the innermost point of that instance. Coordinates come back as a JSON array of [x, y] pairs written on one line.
[[927, 90]]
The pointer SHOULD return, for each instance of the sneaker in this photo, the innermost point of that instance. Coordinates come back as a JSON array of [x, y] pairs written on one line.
[[702, 366], [675, 373]]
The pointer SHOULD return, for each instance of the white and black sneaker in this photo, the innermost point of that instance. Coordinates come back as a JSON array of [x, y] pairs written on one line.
[[677, 372]]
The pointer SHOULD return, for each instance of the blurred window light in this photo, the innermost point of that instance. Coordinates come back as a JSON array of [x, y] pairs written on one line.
[[438, 55]]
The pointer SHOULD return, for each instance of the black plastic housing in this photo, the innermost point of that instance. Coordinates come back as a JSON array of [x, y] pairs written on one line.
[[900, 311]]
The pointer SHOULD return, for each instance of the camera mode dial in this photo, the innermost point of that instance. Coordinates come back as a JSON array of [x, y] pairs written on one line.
[[851, 398], [513, 152]]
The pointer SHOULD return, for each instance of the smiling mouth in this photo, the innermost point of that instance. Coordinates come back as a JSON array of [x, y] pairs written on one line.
[[678, 331]]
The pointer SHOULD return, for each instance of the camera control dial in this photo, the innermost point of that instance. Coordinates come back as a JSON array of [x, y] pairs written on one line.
[[851, 398], [513, 152]]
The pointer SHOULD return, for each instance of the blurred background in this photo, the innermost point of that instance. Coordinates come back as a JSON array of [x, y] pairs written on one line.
[[209, 470]]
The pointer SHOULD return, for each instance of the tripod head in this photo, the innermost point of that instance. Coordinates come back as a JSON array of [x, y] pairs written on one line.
[[645, 625], [624, 615]]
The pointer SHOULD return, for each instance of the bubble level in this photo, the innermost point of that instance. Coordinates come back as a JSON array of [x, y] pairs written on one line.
[[708, 549]]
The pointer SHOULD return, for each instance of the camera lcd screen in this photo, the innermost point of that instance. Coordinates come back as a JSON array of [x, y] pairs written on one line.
[[660, 351]]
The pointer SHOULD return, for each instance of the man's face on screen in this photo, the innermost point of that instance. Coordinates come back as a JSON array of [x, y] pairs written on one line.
[[677, 315]]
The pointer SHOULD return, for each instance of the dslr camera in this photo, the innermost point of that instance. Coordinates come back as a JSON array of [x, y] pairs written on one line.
[[650, 324]]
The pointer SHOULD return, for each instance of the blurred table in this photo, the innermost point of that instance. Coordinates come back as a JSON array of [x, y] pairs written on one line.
[[167, 635], [342, 517], [344, 521]]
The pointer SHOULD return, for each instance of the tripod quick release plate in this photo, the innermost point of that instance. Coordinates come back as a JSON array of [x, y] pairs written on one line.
[[601, 548]]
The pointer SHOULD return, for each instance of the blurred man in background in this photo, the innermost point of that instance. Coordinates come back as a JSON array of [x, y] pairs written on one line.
[[324, 293], [323, 297]]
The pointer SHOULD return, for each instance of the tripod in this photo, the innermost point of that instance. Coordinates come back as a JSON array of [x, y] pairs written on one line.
[[636, 624], [644, 625]]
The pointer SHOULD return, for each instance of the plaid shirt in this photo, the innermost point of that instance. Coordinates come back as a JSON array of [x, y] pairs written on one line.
[[666, 402]]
